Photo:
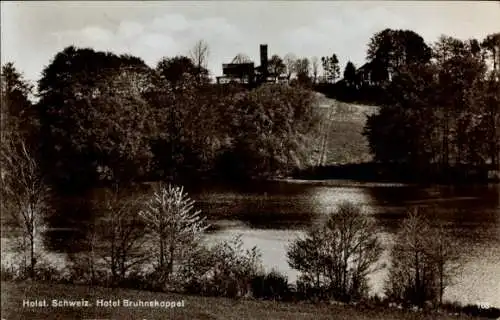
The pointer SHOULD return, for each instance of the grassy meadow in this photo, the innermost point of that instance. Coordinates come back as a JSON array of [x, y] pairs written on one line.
[[195, 307]]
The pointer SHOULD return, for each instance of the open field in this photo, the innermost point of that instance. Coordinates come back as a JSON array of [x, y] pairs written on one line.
[[194, 307]]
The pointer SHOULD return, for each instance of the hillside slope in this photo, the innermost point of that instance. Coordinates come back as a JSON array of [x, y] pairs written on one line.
[[340, 139]]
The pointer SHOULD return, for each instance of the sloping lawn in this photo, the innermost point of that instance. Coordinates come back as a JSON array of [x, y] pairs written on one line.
[[194, 307], [342, 125]]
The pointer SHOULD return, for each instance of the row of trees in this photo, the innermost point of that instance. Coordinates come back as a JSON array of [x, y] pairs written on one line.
[[302, 70], [441, 108], [337, 256], [388, 51], [24, 193], [104, 117]]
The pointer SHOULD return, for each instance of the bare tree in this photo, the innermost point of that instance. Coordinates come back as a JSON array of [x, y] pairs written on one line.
[[122, 236], [176, 227], [24, 196], [290, 62], [303, 70], [87, 266], [410, 277], [423, 260], [339, 254], [199, 54], [315, 68], [443, 254]]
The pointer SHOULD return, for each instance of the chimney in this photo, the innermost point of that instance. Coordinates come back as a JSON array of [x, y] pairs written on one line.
[[263, 59]]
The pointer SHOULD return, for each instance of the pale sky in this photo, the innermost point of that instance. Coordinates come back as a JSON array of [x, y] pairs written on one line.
[[33, 32]]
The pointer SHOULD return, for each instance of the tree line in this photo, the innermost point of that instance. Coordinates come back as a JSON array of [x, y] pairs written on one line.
[[440, 102], [440, 112], [108, 117], [102, 117]]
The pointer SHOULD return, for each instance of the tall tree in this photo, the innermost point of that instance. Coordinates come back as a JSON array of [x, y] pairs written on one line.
[[177, 68], [315, 68], [402, 132], [276, 66], [303, 70], [24, 197], [460, 69], [331, 68], [350, 74], [94, 117], [290, 61], [199, 55], [389, 49], [492, 46], [16, 108], [23, 190], [423, 259], [440, 115]]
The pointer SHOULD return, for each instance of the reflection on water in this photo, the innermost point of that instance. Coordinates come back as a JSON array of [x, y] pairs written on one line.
[[271, 214]]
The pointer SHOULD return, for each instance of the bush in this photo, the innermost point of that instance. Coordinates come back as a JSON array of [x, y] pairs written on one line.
[[84, 269], [271, 286], [225, 269], [141, 281], [307, 290], [43, 272]]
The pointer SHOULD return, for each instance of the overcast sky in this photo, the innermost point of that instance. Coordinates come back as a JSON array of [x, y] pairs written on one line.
[[33, 32]]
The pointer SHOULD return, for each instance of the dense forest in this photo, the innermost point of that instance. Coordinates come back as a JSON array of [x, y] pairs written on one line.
[[108, 118]]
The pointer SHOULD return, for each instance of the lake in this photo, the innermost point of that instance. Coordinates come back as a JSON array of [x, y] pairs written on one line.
[[271, 214]]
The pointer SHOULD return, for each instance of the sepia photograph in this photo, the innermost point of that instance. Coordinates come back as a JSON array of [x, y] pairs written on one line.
[[250, 160]]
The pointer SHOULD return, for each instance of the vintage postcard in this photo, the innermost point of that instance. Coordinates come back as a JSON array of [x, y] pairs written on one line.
[[250, 160]]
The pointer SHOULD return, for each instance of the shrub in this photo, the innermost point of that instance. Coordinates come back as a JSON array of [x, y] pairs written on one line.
[[225, 269], [42, 272], [271, 286]]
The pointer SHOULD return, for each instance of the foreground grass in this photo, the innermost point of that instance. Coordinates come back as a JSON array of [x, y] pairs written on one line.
[[195, 307]]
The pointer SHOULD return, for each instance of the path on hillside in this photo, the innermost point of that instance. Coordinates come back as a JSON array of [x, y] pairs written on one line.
[[325, 129]]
